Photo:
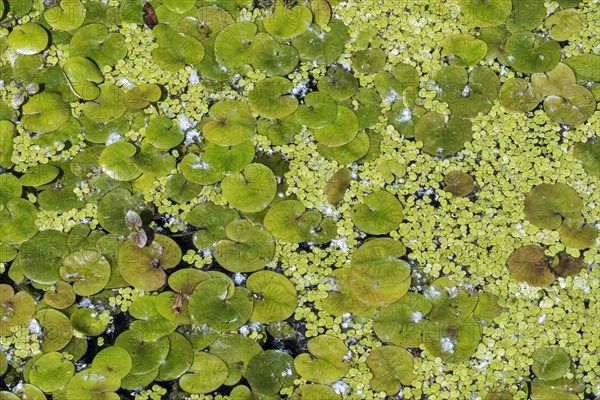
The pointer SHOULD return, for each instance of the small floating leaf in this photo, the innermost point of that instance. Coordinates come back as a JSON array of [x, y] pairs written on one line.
[[463, 50], [550, 363], [563, 24], [339, 132], [392, 367], [236, 351], [452, 342], [546, 205], [528, 52], [45, 112], [378, 276], [379, 213], [530, 264], [94, 41], [270, 98], [402, 322], [327, 361], [275, 296], [552, 82], [441, 137], [318, 110], [210, 304], [588, 154], [526, 15], [268, 372], [250, 190], [88, 269], [459, 183], [482, 13], [573, 106], [287, 22], [338, 83], [518, 96], [248, 247], [144, 267], [28, 38]]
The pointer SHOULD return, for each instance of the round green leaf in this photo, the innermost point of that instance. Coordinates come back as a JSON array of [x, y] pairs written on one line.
[[588, 154], [60, 296], [117, 161], [270, 98], [552, 82], [274, 58], [318, 110], [270, 371], [207, 374], [463, 50], [563, 24], [86, 322], [378, 214], [528, 52], [248, 247], [56, 330], [274, 296], [526, 15], [530, 264], [480, 13], [15, 309], [114, 361], [518, 96], [402, 322], [94, 41], [43, 256], [90, 384], [288, 22], [179, 360], [280, 130], [143, 267], [149, 320], [141, 95], [391, 366], [282, 221], [45, 112], [441, 137], [377, 275], [251, 190], [114, 206], [452, 342], [88, 269], [327, 362], [236, 351], [146, 355], [550, 363], [108, 106], [339, 132], [66, 16], [82, 76], [231, 122], [10, 188], [573, 106], [451, 300], [338, 83], [28, 38], [175, 49], [234, 44], [209, 305], [547, 205], [211, 220]]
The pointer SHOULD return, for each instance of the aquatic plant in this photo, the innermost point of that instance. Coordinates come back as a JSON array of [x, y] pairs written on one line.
[[305, 199]]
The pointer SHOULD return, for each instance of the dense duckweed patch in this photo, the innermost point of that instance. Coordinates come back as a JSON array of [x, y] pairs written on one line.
[[238, 199]]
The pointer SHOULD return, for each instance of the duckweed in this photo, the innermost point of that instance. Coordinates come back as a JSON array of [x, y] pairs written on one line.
[[313, 199]]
